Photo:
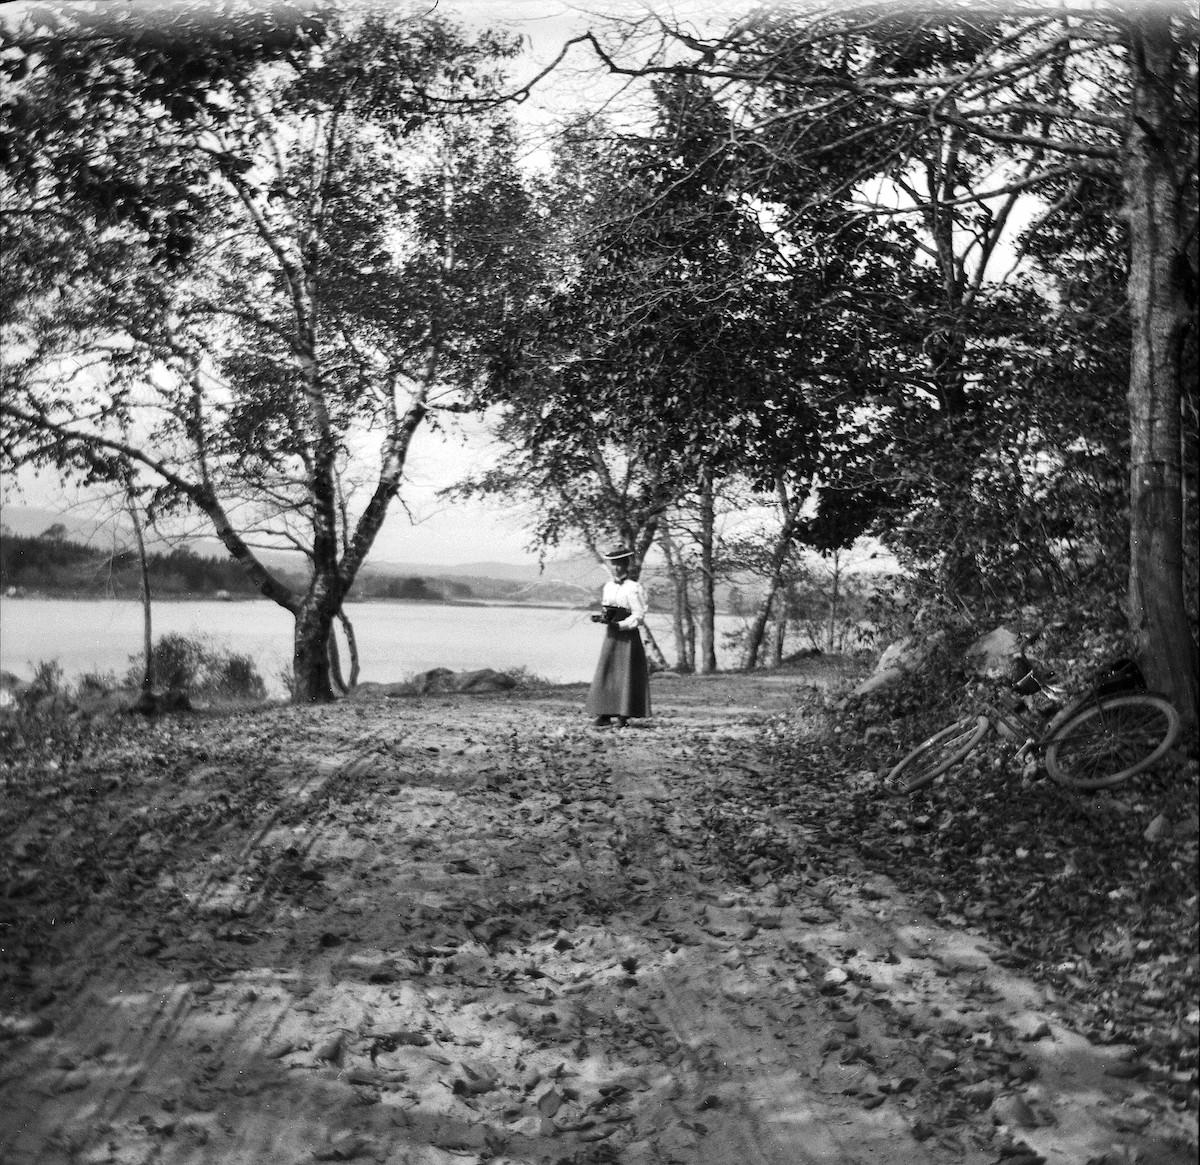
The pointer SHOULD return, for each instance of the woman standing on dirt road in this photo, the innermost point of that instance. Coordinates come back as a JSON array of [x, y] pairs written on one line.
[[621, 685]]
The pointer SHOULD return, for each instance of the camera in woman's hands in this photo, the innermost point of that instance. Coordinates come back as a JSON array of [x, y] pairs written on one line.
[[611, 614]]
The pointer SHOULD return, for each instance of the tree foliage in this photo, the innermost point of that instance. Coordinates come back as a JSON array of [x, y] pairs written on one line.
[[944, 116], [691, 333], [303, 273]]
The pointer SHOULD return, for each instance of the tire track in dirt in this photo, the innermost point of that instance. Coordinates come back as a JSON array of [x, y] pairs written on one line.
[[885, 1004], [122, 1056], [756, 1075], [488, 932]]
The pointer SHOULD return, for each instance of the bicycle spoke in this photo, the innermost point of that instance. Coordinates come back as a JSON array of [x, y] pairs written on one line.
[[1131, 733], [1111, 740]]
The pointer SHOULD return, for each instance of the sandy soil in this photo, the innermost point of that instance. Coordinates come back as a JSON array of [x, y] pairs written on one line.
[[473, 928]]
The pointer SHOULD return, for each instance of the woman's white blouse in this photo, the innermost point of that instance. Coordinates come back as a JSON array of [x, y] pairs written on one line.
[[631, 594]]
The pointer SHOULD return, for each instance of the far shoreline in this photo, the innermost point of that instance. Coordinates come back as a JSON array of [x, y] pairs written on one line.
[[87, 597]]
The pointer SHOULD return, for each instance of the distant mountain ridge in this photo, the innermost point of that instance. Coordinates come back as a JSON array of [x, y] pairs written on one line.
[[578, 571]]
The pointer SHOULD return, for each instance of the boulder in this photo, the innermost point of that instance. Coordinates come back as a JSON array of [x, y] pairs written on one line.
[[994, 656], [439, 679], [483, 680], [904, 655], [898, 659]]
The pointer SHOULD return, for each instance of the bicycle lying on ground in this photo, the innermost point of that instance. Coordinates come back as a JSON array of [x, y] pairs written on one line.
[[1101, 738]]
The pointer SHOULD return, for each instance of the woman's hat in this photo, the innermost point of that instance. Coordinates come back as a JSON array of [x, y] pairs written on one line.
[[618, 552]]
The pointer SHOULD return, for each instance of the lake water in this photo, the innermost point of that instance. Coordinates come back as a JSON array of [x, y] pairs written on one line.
[[395, 639]]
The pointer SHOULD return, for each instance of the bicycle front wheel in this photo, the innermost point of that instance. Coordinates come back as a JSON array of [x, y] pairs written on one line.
[[941, 751], [1110, 739]]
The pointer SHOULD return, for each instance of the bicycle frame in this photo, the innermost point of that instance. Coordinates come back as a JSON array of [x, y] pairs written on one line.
[[1068, 735], [1016, 723]]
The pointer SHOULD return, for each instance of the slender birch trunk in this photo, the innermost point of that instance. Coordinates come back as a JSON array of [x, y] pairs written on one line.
[[708, 602], [147, 628], [683, 620]]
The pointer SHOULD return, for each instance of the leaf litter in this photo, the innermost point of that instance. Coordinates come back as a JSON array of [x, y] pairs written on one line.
[[343, 934]]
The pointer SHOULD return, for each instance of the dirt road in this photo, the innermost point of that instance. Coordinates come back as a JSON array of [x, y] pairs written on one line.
[[465, 929]]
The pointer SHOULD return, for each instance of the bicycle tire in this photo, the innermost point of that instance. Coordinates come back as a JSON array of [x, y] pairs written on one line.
[[935, 755], [1132, 730]]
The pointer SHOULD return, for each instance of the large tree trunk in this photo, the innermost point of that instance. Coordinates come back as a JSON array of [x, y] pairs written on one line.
[[312, 677], [1159, 319]]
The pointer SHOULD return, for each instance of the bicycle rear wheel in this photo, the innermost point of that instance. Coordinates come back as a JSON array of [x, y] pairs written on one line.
[[936, 755], [1110, 739]]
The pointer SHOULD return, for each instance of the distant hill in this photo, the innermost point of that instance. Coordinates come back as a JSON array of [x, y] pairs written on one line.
[[32, 522], [568, 581], [202, 566], [580, 570]]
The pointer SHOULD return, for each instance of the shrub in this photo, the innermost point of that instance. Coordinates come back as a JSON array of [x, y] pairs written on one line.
[[201, 667], [235, 675], [47, 677], [177, 662], [95, 683]]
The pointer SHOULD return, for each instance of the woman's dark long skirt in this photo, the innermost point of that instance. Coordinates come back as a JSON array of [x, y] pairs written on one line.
[[621, 685]]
